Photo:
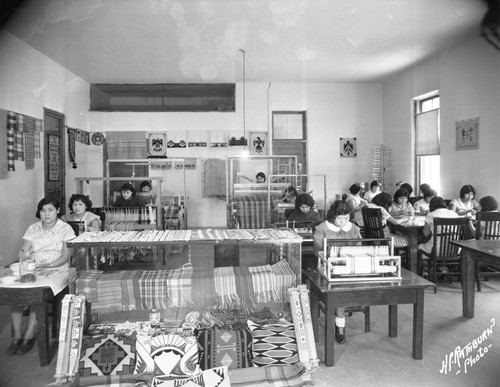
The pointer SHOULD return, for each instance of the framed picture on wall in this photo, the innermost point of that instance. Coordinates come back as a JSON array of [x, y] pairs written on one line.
[[348, 147], [467, 134], [258, 143], [157, 144]]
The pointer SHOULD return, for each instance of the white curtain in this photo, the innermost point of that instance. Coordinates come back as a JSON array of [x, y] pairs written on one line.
[[427, 133]]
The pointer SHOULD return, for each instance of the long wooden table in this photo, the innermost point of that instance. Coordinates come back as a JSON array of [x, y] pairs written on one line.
[[485, 251], [408, 290]]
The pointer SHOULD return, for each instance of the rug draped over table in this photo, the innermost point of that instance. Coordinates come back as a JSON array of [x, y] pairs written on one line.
[[186, 286]]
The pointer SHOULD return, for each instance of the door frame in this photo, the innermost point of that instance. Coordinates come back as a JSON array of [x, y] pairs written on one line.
[[62, 153]]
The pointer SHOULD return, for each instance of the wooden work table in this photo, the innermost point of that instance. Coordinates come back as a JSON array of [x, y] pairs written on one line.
[[484, 251], [408, 290]]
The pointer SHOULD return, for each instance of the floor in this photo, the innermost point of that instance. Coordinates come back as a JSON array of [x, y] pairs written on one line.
[[367, 359]]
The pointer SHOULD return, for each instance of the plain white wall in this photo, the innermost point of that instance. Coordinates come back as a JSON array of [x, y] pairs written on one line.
[[468, 79], [29, 81]]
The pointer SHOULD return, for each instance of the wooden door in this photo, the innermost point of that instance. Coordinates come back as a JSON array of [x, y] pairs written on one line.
[[54, 160]]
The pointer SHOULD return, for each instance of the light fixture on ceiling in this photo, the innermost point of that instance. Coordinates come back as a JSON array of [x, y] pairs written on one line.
[[245, 152]]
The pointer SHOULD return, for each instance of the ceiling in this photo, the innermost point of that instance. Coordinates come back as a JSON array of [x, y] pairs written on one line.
[[200, 41]]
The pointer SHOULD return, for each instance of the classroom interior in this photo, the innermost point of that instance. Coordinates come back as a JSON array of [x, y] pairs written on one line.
[[43, 72]]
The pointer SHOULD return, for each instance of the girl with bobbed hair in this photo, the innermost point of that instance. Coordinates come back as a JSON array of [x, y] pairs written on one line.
[[465, 204], [145, 186], [408, 188], [400, 207], [336, 226], [128, 197], [80, 206], [356, 203], [422, 206], [437, 209], [303, 211], [44, 242], [374, 190], [488, 204], [289, 195]]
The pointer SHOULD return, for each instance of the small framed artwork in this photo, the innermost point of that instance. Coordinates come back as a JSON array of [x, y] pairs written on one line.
[[258, 144], [348, 147], [467, 134], [157, 144]]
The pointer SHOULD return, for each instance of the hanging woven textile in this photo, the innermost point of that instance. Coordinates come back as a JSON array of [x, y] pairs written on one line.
[[11, 124]]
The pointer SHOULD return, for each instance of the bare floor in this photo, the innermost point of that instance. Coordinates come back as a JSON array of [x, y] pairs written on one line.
[[367, 359]]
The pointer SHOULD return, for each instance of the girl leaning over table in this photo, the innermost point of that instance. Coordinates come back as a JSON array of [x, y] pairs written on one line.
[[465, 204], [45, 241], [336, 226], [400, 207]]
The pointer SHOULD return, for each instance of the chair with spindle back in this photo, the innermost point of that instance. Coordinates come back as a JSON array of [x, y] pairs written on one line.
[[374, 228], [488, 227], [443, 252]]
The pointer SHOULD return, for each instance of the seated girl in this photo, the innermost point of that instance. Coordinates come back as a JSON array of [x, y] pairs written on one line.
[[80, 206], [383, 201], [128, 197], [488, 204], [355, 203], [375, 189], [336, 226], [45, 242], [422, 206], [437, 209], [289, 195], [400, 207], [303, 211], [465, 205]]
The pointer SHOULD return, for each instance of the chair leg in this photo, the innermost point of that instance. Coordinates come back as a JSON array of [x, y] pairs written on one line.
[[478, 280], [367, 319], [434, 272]]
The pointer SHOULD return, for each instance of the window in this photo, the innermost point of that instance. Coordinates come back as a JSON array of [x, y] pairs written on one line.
[[163, 97], [427, 141]]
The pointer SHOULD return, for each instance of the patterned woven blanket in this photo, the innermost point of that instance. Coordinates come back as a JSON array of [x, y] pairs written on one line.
[[222, 287], [252, 211]]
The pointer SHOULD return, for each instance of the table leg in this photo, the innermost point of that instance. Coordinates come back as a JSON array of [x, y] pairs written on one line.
[[412, 237], [418, 324], [42, 334], [329, 331], [314, 314], [468, 280], [393, 321]]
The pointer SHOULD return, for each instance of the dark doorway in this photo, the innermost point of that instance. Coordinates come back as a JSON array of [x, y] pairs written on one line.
[[54, 160]]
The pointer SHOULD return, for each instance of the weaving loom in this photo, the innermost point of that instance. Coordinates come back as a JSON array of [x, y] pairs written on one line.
[[129, 218]]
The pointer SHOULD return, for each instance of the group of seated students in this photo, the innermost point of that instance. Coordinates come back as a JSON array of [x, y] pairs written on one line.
[[45, 242], [130, 198], [344, 220]]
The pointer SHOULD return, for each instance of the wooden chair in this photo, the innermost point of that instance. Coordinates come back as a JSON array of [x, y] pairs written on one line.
[[488, 227], [372, 219], [443, 252]]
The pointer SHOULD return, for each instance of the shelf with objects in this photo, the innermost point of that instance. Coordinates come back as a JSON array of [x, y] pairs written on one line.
[[173, 204], [249, 203], [268, 262]]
